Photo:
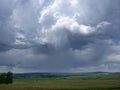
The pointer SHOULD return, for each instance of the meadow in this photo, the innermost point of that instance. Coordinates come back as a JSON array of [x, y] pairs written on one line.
[[78, 82]]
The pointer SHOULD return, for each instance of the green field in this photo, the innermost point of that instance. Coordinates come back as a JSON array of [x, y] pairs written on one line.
[[85, 82]]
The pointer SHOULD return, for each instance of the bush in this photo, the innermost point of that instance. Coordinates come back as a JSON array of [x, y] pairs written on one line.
[[6, 78]]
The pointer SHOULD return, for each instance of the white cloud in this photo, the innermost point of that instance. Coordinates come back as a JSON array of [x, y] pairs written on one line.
[[102, 68], [74, 3], [4, 69], [113, 53], [113, 58]]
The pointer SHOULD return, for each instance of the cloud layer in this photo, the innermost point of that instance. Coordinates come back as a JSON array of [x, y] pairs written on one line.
[[59, 36]]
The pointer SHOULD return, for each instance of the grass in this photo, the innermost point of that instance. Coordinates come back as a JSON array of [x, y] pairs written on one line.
[[85, 82]]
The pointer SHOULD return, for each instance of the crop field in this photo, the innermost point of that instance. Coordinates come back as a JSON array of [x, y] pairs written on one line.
[[82, 82]]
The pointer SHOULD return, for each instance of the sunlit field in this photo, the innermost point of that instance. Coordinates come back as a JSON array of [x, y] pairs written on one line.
[[83, 82]]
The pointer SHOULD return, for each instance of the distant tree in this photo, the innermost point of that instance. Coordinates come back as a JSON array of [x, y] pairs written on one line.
[[3, 78], [9, 78], [0, 80], [6, 78]]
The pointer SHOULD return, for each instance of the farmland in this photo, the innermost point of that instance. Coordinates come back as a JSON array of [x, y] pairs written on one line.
[[76, 82]]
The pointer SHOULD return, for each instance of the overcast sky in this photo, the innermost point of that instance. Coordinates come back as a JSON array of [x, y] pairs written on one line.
[[59, 35]]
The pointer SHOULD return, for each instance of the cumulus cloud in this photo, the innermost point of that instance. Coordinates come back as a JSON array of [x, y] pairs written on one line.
[[64, 35]]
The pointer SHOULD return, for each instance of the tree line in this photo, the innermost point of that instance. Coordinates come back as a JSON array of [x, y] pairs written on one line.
[[6, 78]]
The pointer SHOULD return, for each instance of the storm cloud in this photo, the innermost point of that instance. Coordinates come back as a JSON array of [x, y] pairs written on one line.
[[59, 35]]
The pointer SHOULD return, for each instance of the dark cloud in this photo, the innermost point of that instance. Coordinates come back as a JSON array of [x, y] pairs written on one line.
[[52, 35], [44, 49], [4, 47]]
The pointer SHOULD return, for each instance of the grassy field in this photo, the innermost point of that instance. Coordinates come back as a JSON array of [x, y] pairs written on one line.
[[85, 82]]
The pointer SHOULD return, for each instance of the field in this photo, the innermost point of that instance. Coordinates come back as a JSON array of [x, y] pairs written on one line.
[[82, 82]]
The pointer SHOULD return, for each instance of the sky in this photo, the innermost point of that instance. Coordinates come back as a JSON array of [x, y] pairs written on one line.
[[59, 36]]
